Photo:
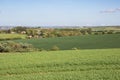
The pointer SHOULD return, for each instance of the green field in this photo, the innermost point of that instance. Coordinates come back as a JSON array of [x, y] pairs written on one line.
[[94, 64], [97, 59], [82, 42], [11, 36]]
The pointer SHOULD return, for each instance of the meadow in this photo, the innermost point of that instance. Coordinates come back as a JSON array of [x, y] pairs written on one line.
[[97, 58], [11, 36], [91, 64], [81, 42]]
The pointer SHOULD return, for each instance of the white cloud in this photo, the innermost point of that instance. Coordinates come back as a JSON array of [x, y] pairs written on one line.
[[117, 9], [110, 10]]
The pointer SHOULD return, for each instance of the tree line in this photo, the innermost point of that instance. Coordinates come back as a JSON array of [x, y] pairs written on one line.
[[53, 32]]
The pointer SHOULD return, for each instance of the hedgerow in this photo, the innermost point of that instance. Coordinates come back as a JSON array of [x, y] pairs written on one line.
[[11, 46]]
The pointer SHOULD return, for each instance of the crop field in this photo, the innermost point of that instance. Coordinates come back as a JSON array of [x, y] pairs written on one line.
[[11, 36], [81, 42], [97, 58], [106, 28], [91, 64]]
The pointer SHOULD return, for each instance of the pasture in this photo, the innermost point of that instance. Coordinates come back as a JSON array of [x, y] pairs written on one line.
[[94, 64], [11, 36], [82, 42], [98, 58]]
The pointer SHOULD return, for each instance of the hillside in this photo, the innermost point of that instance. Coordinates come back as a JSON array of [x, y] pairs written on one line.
[[82, 42], [61, 65]]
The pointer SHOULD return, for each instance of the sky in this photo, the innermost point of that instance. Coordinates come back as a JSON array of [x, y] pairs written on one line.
[[59, 12]]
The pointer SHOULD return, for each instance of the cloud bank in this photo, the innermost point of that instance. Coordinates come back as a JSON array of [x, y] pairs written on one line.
[[110, 10]]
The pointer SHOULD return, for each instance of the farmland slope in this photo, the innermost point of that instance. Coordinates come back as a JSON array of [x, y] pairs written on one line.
[[93, 64]]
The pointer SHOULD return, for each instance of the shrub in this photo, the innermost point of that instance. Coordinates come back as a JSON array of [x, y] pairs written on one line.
[[11, 46], [41, 49], [55, 48], [4, 47], [117, 32]]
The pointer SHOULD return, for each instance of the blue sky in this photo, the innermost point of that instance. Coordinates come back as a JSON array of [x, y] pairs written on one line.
[[59, 12]]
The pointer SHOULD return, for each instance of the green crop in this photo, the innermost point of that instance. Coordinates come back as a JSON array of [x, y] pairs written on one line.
[[95, 64], [79, 42]]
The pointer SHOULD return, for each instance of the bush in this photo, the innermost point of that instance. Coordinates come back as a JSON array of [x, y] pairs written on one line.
[[41, 49], [11, 46], [55, 48]]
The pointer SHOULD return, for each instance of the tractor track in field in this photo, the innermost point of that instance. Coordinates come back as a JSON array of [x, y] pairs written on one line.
[[58, 71]]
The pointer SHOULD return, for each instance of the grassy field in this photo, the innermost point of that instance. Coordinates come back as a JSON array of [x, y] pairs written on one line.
[[11, 36], [97, 59], [106, 28], [94, 64], [82, 42]]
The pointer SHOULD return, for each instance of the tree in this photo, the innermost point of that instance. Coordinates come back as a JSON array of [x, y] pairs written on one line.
[[19, 29]]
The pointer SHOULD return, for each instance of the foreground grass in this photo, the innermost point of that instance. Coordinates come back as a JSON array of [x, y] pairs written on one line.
[[82, 42], [93, 64]]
